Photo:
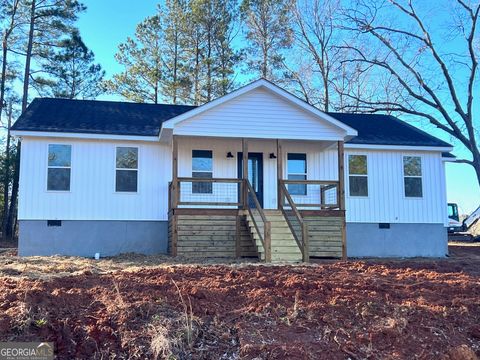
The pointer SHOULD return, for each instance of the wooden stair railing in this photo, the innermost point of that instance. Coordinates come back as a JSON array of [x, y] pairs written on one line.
[[266, 237], [300, 232]]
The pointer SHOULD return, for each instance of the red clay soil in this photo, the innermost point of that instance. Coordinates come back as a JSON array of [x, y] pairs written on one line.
[[341, 310]]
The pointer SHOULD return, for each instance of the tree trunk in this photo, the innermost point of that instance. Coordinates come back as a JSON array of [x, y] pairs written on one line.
[[196, 75], [9, 235], [26, 83], [4, 72], [476, 163], [26, 76], [6, 180], [326, 93], [6, 36], [209, 70], [209, 55], [175, 69], [265, 45], [265, 61]]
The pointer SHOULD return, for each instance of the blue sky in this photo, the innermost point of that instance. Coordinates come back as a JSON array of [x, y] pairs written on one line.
[[107, 23]]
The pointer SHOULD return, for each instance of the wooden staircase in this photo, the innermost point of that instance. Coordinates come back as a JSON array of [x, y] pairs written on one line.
[[283, 244], [248, 248]]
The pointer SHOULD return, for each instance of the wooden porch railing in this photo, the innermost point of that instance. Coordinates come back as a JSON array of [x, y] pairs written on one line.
[[317, 193], [208, 192], [253, 208], [294, 220]]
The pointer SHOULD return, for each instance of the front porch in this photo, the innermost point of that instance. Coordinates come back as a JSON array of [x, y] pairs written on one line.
[[276, 200]]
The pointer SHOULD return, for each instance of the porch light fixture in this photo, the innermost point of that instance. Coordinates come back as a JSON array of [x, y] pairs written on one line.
[[229, 155], [273, 156]]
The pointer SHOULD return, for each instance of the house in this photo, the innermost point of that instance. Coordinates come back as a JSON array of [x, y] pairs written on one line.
[[257, 172]]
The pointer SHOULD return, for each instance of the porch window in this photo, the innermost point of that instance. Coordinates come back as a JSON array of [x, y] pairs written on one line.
[[297, 170], [126, 171], [412, 176], [358, 175], [202, 167], [59, 167]]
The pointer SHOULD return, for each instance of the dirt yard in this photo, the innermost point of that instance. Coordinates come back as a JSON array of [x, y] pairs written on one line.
[[145, 307]]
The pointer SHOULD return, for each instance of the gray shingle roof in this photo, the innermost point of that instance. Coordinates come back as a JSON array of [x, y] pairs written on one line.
[[381, 129], [123, 118], [96, 117]]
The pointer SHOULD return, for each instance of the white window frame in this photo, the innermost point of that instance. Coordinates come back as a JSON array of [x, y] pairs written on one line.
[[302, 174], [203, 171], [117, 168], [412, 176], [59, 167], [358, 175]]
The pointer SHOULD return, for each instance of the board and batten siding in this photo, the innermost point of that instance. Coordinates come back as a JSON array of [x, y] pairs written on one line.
[[259, 114], [92, 193], [93, 196], [386, 201]]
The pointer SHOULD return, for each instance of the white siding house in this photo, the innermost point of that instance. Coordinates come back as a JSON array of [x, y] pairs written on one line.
[[280, 132], [386, 201], [92, 193]]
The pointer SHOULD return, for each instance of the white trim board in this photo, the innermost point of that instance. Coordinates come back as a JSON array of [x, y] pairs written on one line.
[[398, 147], [51, 134]]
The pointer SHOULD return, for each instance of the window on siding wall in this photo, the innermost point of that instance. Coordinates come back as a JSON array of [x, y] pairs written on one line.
[[202, 167], [412, 176], [297, 170], [126, 171], [358, 175], [59, 167]]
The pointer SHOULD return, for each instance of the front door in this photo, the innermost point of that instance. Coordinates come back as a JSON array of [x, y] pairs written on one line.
[[255, 172]]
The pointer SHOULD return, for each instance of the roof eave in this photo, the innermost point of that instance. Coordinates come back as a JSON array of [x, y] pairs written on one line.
[[78, 135], [399, 147]]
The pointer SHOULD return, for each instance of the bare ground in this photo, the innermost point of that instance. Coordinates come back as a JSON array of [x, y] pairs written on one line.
[[136, 307]]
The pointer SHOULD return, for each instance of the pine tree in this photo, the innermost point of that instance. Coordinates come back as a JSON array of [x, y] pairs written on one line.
[[72, 71], [212, 57], [227, 57], [45, 23], [142, 60], [10, 9], [176, 84], [184, 54], [194, 53], [268, 33], [49, 21]]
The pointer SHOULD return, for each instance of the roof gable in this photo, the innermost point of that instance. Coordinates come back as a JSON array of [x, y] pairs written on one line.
[[274, 90], [258, 113]]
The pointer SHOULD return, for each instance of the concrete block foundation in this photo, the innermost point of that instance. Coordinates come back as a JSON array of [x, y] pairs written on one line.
[[85, 238], [400, 240]]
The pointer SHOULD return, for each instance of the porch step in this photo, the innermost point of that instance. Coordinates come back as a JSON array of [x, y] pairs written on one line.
[[283, 244]]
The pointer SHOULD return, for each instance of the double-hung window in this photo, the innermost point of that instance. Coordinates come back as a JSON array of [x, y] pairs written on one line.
[[126, 169], [358, 175], [202, 167], [59, 167], [412, 176], [297, 170]]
